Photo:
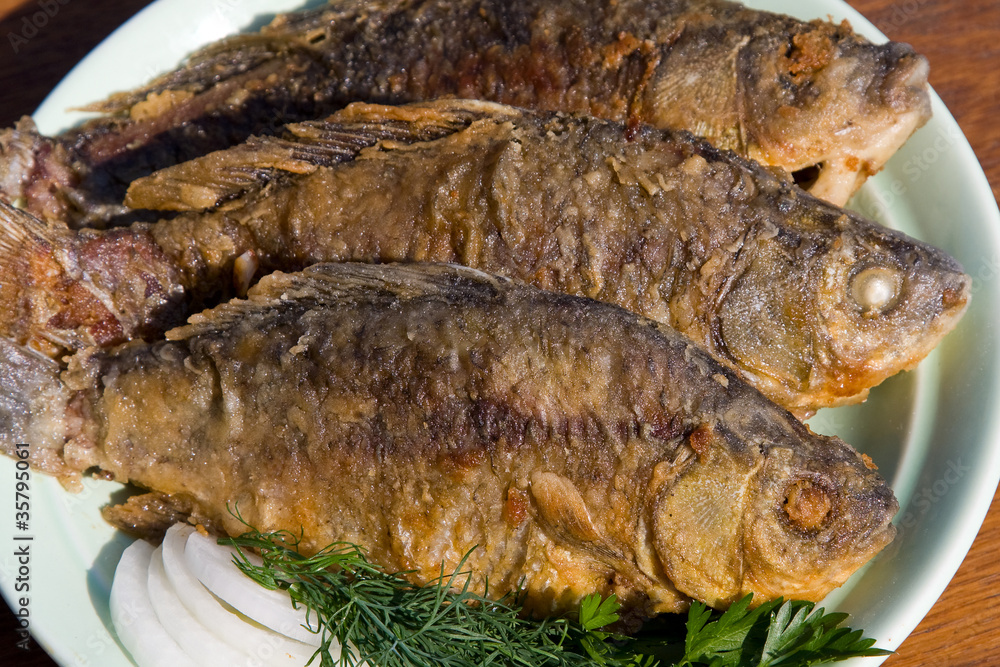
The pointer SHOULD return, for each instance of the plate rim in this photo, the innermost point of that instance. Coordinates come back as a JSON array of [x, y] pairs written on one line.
[[986, 482]]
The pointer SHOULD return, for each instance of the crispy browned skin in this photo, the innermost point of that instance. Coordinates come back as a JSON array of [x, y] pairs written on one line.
[[812, 303], [419, 411], [811, 97]]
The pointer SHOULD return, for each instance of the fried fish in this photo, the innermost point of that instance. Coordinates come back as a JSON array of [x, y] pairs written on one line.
[[812, 303], [423, 410], [811, 97]]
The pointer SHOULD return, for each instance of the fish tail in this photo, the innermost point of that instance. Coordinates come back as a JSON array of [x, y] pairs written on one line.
[[36, 171], [204, 69], [47, 302], [34, 404], [226, 79], [223, 176], [27, 254]]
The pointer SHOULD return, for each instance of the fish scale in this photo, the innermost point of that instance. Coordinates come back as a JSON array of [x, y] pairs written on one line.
[[809, 97], [656, 482], [775, 283]]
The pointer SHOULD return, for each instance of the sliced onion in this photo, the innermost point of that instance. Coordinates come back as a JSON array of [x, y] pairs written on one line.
[[259, 641], [204, 647], [132, 613], [213, 565]]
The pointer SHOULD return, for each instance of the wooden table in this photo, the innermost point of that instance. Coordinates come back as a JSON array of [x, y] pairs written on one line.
[[962, 41]]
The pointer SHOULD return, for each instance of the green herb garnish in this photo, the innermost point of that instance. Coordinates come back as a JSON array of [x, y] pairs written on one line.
[[389, 622], [775, 633]]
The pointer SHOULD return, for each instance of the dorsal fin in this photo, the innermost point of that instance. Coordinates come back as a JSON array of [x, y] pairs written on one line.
[[218, 177], [331, 284]]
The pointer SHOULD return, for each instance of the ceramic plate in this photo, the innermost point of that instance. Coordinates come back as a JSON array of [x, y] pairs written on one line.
[[934, 432]]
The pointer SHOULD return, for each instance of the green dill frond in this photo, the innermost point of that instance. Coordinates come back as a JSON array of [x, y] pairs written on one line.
[[389, 622]]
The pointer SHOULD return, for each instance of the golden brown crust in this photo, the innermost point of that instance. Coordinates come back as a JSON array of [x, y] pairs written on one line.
[[420, 411], [794, 94], [656, 221]]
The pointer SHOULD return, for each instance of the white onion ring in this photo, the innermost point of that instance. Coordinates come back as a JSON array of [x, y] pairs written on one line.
[[194, 638], [212, 564], [231, 628], [132, 613]]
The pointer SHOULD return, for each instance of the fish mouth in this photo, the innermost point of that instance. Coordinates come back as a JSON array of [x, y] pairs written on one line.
[[897, 94], [902, 82], [874, 512], [840, 173]]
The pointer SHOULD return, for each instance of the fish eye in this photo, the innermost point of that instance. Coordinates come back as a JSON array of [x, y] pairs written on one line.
[[807, 505], [877, 288]]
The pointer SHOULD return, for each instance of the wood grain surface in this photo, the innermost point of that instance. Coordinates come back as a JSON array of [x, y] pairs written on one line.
[[962, 41]]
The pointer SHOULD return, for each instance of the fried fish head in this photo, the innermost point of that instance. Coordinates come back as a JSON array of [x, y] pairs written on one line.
[[813, 521], [829, 106], [819, 318], [786, 522]]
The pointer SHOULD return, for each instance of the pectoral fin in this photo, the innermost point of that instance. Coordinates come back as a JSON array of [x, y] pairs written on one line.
[[562, 508]]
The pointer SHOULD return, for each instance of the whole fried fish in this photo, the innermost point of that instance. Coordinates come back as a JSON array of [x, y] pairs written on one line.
[[813, 304], [420, 411], [811, 97]]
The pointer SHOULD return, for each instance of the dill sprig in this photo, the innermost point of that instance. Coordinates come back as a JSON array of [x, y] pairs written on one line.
[[389, 622]]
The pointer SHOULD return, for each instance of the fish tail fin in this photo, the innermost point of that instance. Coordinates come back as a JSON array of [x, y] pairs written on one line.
[[45, 303], [223, 176], [205, 69], [33, 409], [36, 171], [25, 246]]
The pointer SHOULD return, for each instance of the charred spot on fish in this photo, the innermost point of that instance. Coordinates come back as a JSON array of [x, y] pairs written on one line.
[[876, 289], [462, 459], [666, 429], [807, 505], [496, 420], [83, 311], [806, 177], [316, 37], [809, 52]]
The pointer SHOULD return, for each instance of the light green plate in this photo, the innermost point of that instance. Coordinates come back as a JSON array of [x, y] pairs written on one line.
[[933, 432]]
